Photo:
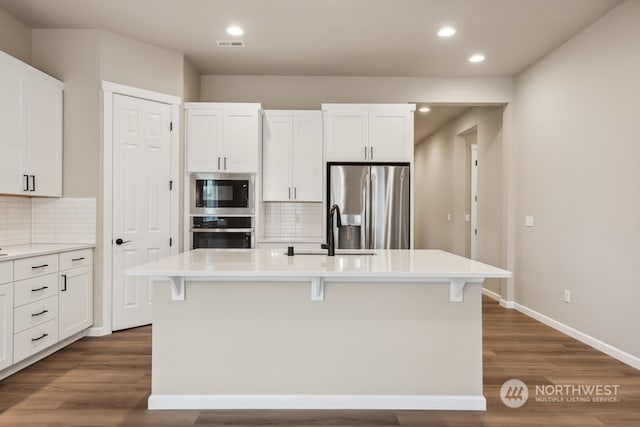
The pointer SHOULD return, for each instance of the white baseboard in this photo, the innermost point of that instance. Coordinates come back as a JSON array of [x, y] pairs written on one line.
[[268, 401], [612, 351], [507, 304], [493, 295], [99, 331]]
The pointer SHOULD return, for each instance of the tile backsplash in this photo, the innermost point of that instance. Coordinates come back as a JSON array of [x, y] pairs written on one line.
[[25, 220], [293, 220], [15, 220], [64, 220]]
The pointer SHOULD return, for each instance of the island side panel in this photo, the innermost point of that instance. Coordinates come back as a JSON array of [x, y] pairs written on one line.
[[266, 338]]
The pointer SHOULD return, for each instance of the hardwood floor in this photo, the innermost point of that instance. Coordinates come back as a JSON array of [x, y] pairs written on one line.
[[106, 381]]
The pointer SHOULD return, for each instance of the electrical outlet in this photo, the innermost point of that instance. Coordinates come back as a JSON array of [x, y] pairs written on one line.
[[567, 296]]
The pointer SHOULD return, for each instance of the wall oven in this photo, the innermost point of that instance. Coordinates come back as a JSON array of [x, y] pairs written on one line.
[[222, 194], [221, 232]]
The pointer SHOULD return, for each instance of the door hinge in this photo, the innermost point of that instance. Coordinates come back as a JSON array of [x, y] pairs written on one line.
[[170, 185], [476, 163], [170, 241], [476, 198], [170, 126], [476, 231]]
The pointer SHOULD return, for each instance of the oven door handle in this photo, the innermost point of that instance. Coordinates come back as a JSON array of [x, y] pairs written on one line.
[[221, 230]]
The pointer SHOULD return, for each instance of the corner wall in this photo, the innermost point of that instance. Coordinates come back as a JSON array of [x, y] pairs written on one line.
[[576, 124], [83, 59], [15, 37]]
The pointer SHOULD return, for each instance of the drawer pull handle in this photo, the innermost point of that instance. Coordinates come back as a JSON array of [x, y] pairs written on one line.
[[40, 266], [39, 314], [39, 338], [77, 259], [39, 289], [64, 284]]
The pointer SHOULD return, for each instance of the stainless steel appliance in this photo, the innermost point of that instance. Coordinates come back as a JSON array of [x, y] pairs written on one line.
[[221, 232], [374, 202], [222, 194]]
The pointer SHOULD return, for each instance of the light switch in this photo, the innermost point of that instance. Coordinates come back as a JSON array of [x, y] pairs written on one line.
[[528, 221], [448, 217], [467, 218]]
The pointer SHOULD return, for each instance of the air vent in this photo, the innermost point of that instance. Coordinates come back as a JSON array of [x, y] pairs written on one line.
[[230, 43]]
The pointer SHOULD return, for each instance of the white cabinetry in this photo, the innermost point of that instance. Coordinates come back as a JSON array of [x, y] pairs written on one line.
[[6, 314], [76, 292], [222, 137], [30, 130], [368, 132], [292, 156], [43, 300]]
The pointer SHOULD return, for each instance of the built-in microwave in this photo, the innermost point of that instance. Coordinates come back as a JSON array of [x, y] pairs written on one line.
[[222, 194]]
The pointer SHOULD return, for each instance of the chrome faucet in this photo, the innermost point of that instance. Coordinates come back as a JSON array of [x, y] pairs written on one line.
[[331, 245]]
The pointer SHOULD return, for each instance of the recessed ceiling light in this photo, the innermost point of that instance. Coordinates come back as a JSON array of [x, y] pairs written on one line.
[[446, 31], [478, 57], [234, 30], [424, 109]]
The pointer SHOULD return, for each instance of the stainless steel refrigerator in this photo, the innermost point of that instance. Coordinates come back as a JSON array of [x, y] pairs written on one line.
[[373, 200]]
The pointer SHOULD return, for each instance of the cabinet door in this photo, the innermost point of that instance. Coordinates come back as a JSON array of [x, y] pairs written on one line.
[[76, 301], [307, 157], [390, 136], [44, 137], [240, 142], [6, 325], [204, 139], [12, 129], [277, 144], [347, 135]]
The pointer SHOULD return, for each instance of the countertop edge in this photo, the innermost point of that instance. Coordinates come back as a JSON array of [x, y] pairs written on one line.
[[54, 249]]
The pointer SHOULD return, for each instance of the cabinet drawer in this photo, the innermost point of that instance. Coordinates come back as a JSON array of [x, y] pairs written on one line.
[[35, 266], [34, 339], [6, 272], [36, 289], [35, 313], [75, 259]]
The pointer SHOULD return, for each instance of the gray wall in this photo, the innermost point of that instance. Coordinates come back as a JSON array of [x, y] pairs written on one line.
[[15, 37], [309, 92], [576, 125], [83, 59], [442, 180]]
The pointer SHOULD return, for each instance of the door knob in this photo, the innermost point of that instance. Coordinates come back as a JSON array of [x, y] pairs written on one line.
[[119, 241]]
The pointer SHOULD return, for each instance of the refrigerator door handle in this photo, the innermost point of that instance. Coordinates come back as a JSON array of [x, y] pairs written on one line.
[[373, 204]]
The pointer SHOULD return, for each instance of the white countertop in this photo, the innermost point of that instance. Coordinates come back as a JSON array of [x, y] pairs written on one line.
[[272, 263], [25, 251]]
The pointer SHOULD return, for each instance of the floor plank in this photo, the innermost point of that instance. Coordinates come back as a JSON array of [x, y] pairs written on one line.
[[106, 381]]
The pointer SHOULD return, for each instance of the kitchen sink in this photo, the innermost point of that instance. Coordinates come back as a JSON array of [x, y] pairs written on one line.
[[338, 252]]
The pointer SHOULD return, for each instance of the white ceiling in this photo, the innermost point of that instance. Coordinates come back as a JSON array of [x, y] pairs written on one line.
[[334, 37]]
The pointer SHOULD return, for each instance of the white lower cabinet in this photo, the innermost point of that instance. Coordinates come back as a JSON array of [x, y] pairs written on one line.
[[43, 300], [76, 300], [34, 339]]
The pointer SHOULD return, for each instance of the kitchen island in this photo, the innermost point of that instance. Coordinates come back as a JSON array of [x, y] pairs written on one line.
[[257, 329]]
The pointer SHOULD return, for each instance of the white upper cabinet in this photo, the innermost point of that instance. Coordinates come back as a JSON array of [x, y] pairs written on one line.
[[222, 137], [368, 132], [292, 156], [30, 130]]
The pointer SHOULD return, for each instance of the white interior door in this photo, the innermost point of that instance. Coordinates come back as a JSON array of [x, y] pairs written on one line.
[[141, 202]]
